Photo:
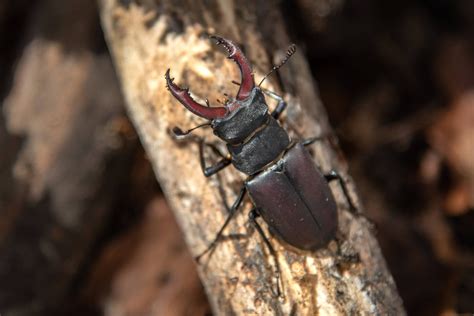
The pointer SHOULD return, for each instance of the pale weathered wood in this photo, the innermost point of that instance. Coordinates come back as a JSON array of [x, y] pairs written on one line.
[[350, 275]]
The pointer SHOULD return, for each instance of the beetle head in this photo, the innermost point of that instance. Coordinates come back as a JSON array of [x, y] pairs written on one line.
[[246, 86]]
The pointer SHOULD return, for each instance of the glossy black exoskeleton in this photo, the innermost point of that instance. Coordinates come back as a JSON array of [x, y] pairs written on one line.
[[287, 189]]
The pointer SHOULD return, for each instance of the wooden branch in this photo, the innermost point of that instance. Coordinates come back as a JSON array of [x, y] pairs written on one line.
[[349, 275]]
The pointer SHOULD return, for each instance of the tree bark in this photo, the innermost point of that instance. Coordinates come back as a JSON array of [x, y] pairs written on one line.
[[349, 275]]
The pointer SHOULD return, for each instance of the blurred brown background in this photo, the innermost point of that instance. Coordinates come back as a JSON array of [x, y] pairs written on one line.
[[84, 228]]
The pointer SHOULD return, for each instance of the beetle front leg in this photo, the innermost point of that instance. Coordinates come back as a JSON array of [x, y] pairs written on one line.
[[334, 175], [211, 170], [253, 215], [281, 106], [232, 212]]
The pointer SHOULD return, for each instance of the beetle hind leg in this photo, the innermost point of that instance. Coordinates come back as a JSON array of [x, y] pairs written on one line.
[[253, 215]]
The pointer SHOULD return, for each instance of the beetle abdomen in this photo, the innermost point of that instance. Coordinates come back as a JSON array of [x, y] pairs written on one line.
[[295, 200]]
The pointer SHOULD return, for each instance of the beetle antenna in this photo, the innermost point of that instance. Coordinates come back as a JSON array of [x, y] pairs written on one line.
[[178, 132], [291, 50]]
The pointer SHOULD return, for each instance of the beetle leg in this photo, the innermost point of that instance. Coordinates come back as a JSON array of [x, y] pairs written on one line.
[[221, 164], [253, 215], [334, 175], [212, 170], [232, 212], [281, 106]]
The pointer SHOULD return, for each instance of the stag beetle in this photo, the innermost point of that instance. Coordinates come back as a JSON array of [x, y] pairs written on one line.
[[286, 188]]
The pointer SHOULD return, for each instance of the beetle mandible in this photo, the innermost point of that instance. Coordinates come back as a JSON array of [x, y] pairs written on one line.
[[286, 188]]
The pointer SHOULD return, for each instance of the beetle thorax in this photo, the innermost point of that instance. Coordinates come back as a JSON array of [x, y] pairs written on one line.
[[249, 115], [254, 138]]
